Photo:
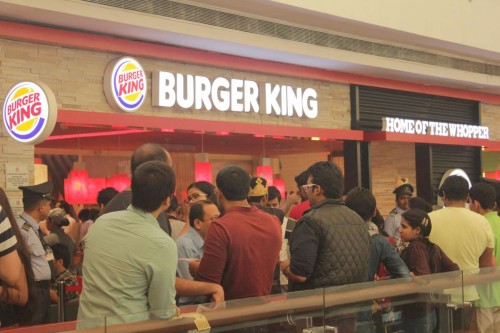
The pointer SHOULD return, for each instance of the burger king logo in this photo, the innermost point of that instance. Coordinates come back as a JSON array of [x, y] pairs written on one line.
[[29, 112], [125, 84]]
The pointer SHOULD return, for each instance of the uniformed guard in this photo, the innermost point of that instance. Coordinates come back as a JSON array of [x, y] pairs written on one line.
[[403, 191], [37, 204]]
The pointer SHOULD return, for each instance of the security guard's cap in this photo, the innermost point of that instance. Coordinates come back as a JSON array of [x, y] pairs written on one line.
[[402, 187], [35, 193], [258, 187]]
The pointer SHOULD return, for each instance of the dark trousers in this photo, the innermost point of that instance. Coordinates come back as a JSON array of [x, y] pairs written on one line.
[[42, 316]]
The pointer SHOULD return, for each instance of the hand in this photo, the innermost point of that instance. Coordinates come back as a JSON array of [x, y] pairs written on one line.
[[193, 266], [293, 198], [218, 295], [284, 264]]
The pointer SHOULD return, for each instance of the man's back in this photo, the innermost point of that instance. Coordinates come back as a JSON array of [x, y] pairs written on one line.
[[329, 246], [129, 268], [121, 202], [462, 234], [241, 252]]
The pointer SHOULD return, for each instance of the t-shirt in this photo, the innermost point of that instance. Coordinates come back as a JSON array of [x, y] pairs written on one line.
[[297, 211], [490, 293], [463, 235], [129, 268], [241, 252], [69, 280], [8, 240]]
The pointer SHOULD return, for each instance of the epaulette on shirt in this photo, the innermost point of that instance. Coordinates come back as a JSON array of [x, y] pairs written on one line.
[[393, 212], [26, 226]]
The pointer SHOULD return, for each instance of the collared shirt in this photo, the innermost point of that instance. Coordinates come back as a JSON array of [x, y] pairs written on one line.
[[129, 268], [7, 239], [69, 279], [392, 222], [39, 264], [189, 246]]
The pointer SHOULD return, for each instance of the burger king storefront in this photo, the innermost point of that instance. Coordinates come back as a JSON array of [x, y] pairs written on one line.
[[81, 101]]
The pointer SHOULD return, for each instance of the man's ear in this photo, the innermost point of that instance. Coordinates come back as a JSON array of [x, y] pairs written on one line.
[[197, 224], [167, 202]]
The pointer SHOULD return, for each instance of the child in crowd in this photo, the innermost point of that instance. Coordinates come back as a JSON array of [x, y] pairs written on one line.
[[422, 257], [61, 264]]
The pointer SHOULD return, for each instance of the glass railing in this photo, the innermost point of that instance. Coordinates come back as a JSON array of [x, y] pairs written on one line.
[[443, 302]]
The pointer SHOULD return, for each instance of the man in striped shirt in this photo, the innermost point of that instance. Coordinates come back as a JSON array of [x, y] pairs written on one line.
[[11, 268]]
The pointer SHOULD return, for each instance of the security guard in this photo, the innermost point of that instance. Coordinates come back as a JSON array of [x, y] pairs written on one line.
[[37, 205], [403, 191]]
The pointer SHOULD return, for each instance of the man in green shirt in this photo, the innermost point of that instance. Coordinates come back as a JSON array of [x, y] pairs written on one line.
[[130, 264], [482, 201]]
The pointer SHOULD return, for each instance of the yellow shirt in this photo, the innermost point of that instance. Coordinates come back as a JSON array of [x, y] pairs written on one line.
[[463, 235]]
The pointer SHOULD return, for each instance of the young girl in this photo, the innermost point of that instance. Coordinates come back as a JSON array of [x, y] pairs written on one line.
[[422, 257]]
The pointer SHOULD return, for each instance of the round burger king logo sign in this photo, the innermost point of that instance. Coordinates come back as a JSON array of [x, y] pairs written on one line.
[[29, 112], [125, 84]]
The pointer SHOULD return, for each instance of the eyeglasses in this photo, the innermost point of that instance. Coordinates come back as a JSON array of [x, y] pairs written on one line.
[[195, 196], [307, 186]]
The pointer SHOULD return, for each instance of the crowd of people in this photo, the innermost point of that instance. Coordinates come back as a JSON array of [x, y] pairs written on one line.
[[144, 253]]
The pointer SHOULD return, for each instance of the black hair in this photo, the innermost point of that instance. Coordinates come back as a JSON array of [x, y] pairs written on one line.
[[301, 179], [455, 188], [148, 152], [420, 203], [417, 218], [378, 219], [196, 211], [484, 194], [84, 215], [272, 193], [105, 195], [61, 251], [93, 214], [174, 205], [67, 208], [152, 183], [362, 201], [234, 183], [329, 176], [205, 187]]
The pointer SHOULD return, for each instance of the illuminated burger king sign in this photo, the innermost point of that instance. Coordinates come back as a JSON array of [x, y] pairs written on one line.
[[125, 84], [29, 112]]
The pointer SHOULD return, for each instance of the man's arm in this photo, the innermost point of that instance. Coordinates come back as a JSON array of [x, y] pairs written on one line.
[[12, 273], [285, 269], [291, 200], [487, 259], [391, 259], [304, 244], [215, 253], [196, 288], [161, 271]]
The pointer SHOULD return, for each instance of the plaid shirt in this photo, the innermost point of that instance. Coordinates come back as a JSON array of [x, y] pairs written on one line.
[[70, 279]]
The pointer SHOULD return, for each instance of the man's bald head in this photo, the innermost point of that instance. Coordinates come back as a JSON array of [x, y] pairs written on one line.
[[149, 152]]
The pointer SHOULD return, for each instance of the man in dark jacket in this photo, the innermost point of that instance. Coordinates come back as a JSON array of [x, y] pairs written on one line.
[[330, 245]]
